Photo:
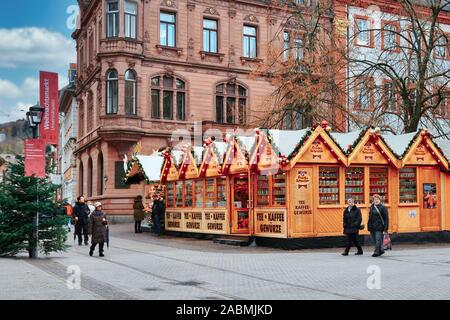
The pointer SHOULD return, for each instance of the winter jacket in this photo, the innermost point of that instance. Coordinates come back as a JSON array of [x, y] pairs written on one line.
[[81, 211], [97, 227], [375, 222], [138, 210], [352, 220], [158, 208]]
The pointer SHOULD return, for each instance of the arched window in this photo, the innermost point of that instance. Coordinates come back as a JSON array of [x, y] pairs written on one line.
[[81, 180], [231, 103], [100, 174], [90, 180], [167, 91], [112, 92], [130, 92]]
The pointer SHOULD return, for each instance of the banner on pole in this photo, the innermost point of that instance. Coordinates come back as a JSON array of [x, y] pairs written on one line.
[[49, 100], [35, 158]]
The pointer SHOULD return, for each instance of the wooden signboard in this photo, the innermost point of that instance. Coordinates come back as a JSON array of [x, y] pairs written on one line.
[[301, 214], [173, 172], [420, 155], [271, 222], [318, 152], [213, 221], [214, 168], [368, 154]]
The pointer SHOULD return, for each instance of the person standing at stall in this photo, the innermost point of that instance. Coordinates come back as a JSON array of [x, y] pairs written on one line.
[[98, 229], [138, 208], [158, 211], [352, 225], [378, 224], [81, 219]]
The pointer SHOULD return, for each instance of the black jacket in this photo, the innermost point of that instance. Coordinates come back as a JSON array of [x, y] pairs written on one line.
[[81, 211], [375, 222], [159, 208], [352, 220]]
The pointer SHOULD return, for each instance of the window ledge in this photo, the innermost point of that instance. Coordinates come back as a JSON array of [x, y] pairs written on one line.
[[205, 54], [244, 60], [162, 48]]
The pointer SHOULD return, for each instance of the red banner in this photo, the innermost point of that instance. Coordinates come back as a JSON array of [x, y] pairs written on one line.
[[35, 158], [49, 100]]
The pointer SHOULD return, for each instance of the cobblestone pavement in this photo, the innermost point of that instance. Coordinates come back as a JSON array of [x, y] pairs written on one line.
[[146, 267]]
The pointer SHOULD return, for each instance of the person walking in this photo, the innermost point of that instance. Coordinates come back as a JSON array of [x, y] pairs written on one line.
[[81, 219], [158, 211], [352, 225], [378, 224], [98, 229], [138, 214]]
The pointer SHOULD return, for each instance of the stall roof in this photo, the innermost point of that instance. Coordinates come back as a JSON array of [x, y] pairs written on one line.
[[150, 165], [198, 155], [221, 149], [444, 145], [177, 156], [399, 143], [247, 141], [344, 140], [287, 140]]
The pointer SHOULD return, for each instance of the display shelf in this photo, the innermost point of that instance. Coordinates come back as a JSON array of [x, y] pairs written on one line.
[[279, 190], [354, 184], [221, 192], [210, 193], [328, 185], [188, 196], [262, 191], [408, 185], [198, 193], [378, 179], [179, 194], [170, 191]]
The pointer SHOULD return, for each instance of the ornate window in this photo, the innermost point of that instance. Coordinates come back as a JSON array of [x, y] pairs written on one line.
[[130, 92], [210, 35], [231, 103], [130, 19], [100, 174], [112, 19], [167, 29], [249, 42], [112, 92], [168, 95]]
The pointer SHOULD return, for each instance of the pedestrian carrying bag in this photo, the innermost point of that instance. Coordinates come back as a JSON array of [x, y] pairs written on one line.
[[387, 245]]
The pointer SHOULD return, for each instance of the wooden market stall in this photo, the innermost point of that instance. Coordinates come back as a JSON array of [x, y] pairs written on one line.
[[295, 184]]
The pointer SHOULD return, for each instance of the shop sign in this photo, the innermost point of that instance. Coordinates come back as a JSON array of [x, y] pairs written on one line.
[[302, 200], [270, 222], [208, 221], [317, 150]]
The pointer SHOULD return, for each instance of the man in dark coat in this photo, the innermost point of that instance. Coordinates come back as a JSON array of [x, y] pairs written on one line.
[[378, 224], [352, 223], [98, 229], [158, 211], [81, 219]]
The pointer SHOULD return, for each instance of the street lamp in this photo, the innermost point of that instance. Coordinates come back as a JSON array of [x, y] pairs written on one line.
[[34, 116]]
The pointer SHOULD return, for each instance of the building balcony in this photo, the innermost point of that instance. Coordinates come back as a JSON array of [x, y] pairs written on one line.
[[122, 45]]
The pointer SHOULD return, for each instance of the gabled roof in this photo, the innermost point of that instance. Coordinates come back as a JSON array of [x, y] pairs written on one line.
[[286, 140], [145, 168], [346, 140], [399, 144]]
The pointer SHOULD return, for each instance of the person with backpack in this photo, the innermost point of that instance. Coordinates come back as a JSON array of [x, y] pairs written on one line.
[[81, 219], [352, 225], [378, 224], [98, 229], [138, 213]]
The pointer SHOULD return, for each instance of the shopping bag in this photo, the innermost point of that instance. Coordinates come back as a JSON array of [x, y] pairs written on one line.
[[387, 245]]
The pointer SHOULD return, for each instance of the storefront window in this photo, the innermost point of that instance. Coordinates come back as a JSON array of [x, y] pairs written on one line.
[[179, 194], [262, 191], [328, 185], [188, 194], [198, 193], [354, 184], [221, 192], [170, 195], [408, 185], [210, 193], [379, 183], [279, 190]]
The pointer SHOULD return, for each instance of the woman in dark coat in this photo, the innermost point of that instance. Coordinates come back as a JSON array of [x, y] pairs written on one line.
[[378, 224], [138, 214], [98, 229], [352, 223]]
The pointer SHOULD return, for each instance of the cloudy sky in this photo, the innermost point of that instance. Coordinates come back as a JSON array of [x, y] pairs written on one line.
[[34, 35]]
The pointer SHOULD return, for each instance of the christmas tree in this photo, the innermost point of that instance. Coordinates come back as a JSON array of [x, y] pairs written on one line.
[[21, 198]]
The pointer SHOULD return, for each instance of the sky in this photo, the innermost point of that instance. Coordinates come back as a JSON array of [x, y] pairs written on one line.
[[34, 35]]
